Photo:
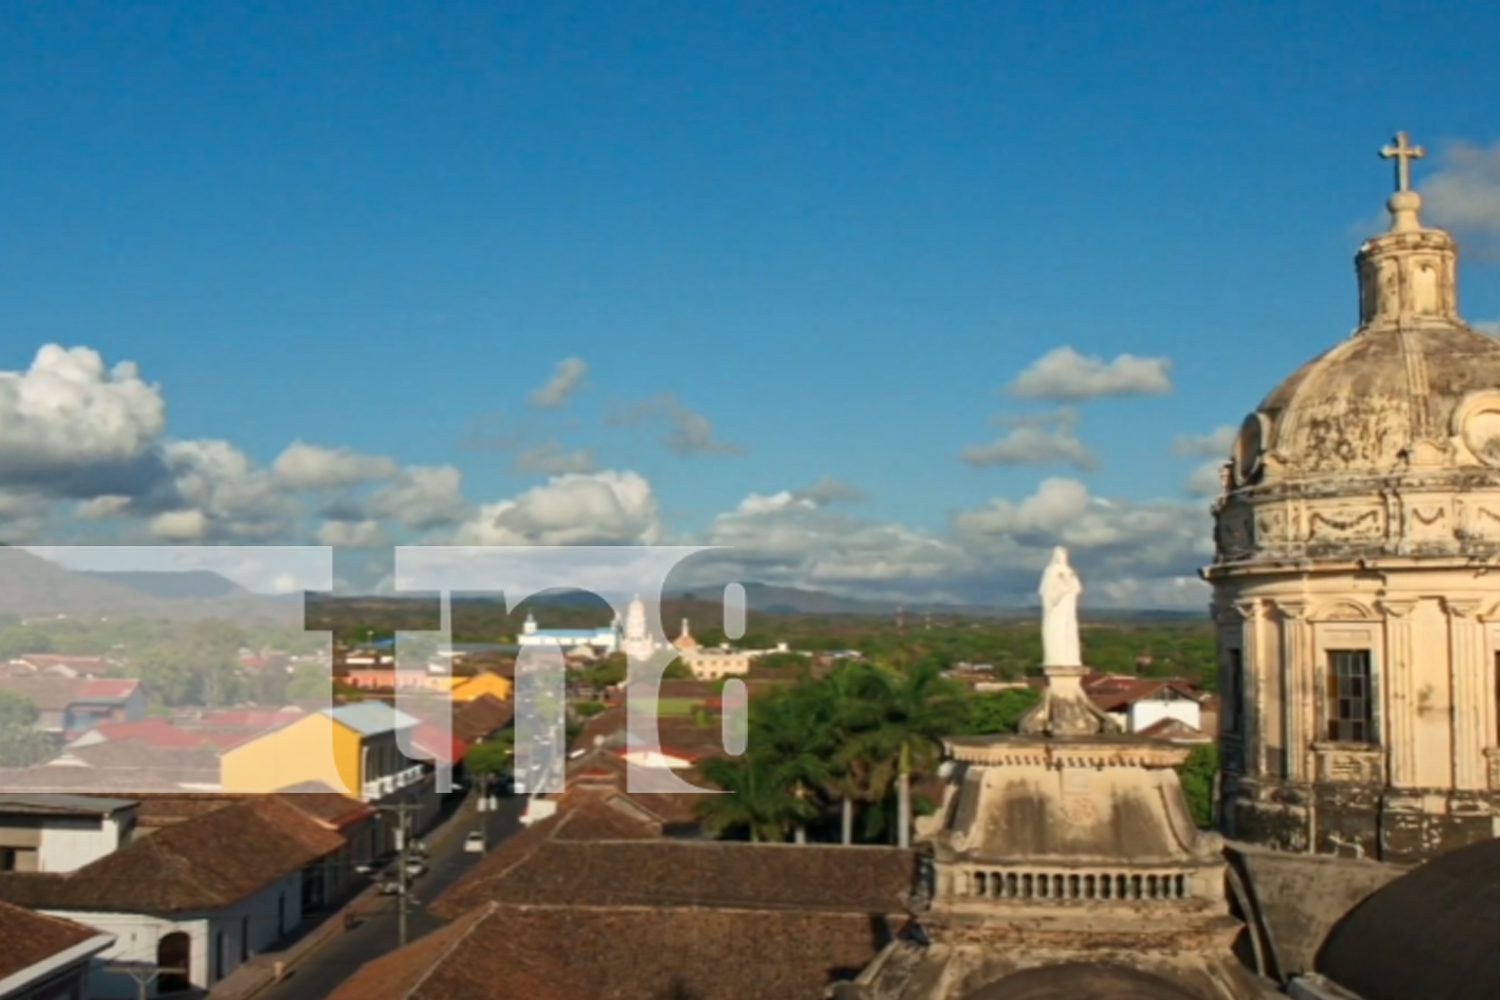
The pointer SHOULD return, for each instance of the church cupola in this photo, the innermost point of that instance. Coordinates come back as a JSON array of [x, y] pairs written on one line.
[[1409, 273]]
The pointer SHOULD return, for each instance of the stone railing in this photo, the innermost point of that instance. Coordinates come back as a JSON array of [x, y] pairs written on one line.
[[1064, 885]]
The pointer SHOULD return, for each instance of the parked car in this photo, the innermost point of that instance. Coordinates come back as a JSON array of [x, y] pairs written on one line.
[[416, 867], [474, 843]]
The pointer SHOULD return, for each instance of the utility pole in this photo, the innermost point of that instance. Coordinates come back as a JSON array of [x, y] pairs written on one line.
[[144, 975], [403, 811]]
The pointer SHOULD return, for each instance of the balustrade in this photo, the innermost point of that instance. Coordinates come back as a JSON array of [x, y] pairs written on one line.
[[1067, 886]]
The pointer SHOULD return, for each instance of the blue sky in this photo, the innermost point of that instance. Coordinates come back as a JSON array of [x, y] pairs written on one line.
[[835, 231]]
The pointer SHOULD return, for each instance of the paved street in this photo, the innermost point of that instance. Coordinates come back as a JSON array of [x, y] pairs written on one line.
[[321, 972]]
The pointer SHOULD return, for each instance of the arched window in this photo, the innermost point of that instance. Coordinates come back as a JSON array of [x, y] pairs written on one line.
[[175, 951]]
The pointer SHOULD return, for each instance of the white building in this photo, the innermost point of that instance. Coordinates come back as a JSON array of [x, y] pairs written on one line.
[[604, 640], [61, 833]]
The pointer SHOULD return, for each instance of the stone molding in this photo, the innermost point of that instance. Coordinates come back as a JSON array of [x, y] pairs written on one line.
[[1348, 763]]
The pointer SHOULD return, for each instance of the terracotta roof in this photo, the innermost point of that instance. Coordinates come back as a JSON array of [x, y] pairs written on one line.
[[32, 938], [434, 968], [437, 745], [474, 720], [659, 872], [161, 733], [628, 953], [205, 863], [1175, 730], [604, 768], [579, 817], [1115, 692], [139, 752], [54, 694]]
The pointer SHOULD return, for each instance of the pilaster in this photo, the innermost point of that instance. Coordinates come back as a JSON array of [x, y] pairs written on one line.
[[1396, 692], [1253, 691], [1299, 703], [1470, 695]]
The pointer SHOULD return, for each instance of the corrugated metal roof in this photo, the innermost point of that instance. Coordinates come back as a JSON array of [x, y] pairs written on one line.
[[370, 718], [48, 804]]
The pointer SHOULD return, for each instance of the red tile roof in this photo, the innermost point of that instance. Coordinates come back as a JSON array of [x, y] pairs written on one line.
[[547, 952], [205, 863], [28, 939]]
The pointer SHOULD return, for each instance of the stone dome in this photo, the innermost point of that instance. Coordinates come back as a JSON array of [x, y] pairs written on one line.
[[1367, 403], [1387, 444]]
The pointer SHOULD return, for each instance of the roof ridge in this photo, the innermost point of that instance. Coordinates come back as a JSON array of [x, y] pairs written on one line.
[[476, 917]]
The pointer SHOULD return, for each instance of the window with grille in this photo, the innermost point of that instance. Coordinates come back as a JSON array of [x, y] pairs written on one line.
[[1351, 706], [1236, 692]]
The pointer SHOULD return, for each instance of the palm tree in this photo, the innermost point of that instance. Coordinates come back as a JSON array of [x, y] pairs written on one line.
[[918, 709], [756, 799], [852, 697]]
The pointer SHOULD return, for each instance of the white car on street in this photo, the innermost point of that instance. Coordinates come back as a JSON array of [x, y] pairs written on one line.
[[474, 843]]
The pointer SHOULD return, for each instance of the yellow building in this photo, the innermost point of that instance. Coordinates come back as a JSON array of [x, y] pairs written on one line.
[[353, 749], [481, 684]]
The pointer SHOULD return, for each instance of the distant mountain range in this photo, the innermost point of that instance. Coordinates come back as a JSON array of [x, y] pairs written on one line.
[[32, 586]]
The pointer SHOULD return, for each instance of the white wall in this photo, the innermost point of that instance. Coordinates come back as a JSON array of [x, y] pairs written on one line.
[[1150, 711], [137, 936], [69, 844]]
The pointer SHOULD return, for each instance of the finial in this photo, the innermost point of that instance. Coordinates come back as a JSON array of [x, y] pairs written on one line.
[[1405, 202]]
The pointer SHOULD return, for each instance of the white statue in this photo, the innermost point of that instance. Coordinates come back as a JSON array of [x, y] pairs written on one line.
[[1060, 590]]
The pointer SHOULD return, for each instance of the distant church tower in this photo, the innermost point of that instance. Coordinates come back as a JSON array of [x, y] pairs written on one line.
[[1358, 617], [638, 644]]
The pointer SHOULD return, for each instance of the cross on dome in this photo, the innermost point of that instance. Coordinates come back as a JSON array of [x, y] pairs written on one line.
[[1403, 153]]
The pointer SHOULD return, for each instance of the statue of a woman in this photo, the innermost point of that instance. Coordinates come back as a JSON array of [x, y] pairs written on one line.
[[1060, 590]]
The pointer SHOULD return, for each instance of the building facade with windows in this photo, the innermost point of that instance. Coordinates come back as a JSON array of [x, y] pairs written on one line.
[[1354, 587]]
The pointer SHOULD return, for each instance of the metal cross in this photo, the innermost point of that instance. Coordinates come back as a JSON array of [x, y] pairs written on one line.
[[1403, 153]]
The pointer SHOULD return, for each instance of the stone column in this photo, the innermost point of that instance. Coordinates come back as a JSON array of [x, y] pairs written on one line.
[[1253, 692], [1398, 719], [1299, 701], [1471, 695]]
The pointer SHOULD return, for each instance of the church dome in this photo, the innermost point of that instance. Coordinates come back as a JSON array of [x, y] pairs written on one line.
[[1388, 443], [1368, 403]]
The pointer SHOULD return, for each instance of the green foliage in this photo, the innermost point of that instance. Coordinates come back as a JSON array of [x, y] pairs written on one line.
[[851, 735], [16, 710], [23, 746], [1198, 776], [492, 756], [1000, 711], [608, 671], [788, 662], [588, 709], [677, 671], [308, 683]]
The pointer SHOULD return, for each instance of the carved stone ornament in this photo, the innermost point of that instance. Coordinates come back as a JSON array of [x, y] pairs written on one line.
[[1292, 610], [1396, 609], [1348, 765], [1345, 523], [1477, 422], [1462, 607]]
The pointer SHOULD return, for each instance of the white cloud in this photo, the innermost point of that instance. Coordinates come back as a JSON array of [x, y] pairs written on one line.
[[67, 411], [1217, 443], [1064, 375], [305, 466], [103, 508], [690, 433], [1111, 538], [604, 508], [180, 526], [422, 497], [828, 490], [353, 534], [550, 458], [1032, 445], [219, 495], [1206, 480], [565, 381], [1463, 194]]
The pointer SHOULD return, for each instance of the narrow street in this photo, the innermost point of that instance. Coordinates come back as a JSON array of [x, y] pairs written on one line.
[[321, 972]]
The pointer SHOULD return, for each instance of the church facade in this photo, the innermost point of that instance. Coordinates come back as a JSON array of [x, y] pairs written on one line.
[[1356, 576]]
